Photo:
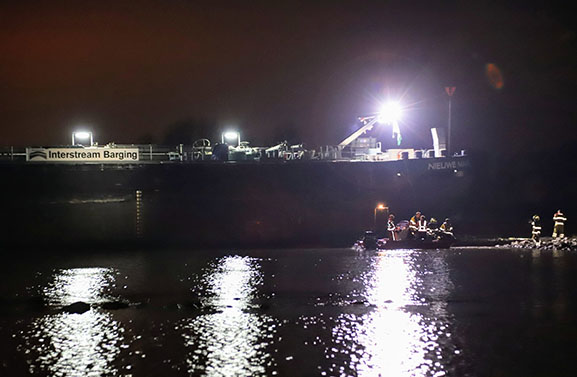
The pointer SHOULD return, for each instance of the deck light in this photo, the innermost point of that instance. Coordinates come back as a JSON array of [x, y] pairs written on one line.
[[390, 112], [229, 137], [82, 138]]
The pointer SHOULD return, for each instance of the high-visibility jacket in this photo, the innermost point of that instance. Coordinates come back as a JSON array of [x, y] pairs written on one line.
[[446, 227], [414, 223], [422, 225], [391, 226], [535, 228], [559, 218]]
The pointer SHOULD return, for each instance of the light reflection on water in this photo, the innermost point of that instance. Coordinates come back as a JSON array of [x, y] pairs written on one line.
[[231, 341], [400, 336], [386, 316], [67, 344], [319, 312], [79, 284]]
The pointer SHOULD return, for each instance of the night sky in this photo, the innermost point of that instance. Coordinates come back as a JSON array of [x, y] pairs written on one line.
[[134, 71]]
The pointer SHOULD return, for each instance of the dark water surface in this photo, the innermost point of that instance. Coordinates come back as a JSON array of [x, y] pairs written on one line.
[[321, 312]]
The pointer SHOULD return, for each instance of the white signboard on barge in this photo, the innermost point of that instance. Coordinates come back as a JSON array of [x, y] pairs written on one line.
[[91, 154]]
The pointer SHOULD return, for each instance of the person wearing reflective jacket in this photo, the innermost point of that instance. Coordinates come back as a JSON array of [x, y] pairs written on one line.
[[447, 227], [536, 228], [559, 227], [414, 222], [422, 227], [392, 228]]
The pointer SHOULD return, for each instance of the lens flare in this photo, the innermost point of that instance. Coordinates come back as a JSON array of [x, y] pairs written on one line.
[[390, 112], [494, 76]]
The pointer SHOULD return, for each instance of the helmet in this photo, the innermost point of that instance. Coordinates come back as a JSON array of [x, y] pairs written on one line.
[[536, 218], [447, 220]]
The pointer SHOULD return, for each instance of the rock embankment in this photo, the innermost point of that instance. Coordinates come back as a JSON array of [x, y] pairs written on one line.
[[544, 244]]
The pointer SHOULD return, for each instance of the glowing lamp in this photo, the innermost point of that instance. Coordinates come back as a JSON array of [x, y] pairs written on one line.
[[230, 137], [82, 138], [390, 113]]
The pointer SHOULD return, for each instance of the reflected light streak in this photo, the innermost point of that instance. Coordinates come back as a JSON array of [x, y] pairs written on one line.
[[397, 338], [76, 344], [231, 341], [79, 284]]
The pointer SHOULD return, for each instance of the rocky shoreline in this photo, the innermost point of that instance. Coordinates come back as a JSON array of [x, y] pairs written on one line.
[[565, 244]]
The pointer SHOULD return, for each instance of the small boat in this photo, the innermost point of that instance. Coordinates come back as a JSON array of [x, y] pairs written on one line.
[[386, 244], [433, 239]]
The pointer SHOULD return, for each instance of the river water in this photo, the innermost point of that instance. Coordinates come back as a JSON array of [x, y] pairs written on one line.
[[317, 312]]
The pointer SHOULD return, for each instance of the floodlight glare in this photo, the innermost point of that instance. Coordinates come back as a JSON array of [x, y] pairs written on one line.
[[82, 137], [390, 112], [231, 137]]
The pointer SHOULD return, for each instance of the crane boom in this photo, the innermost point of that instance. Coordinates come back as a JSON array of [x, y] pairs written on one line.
[[355, 135]]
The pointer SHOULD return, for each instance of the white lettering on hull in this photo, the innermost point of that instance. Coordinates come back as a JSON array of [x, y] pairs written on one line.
[[447, 165], [93, 154]]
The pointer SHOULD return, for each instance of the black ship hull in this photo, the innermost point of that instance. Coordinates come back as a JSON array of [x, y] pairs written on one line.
[[242, 204]]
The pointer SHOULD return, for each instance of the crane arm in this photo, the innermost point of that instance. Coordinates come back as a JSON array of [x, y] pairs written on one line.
[[355, 135]]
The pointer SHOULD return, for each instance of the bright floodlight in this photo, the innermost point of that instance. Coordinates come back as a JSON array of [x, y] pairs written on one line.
[[82, 137], [231, 137], [390, 112]]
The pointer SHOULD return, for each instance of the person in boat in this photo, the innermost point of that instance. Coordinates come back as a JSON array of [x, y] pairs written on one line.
[[433, 228], [414, 223], [535, 228], [447, 227], [392, 228], [422, 227], [559, 227]]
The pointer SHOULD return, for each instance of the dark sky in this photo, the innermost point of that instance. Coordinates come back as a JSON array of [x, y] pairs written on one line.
[[131, 69]]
